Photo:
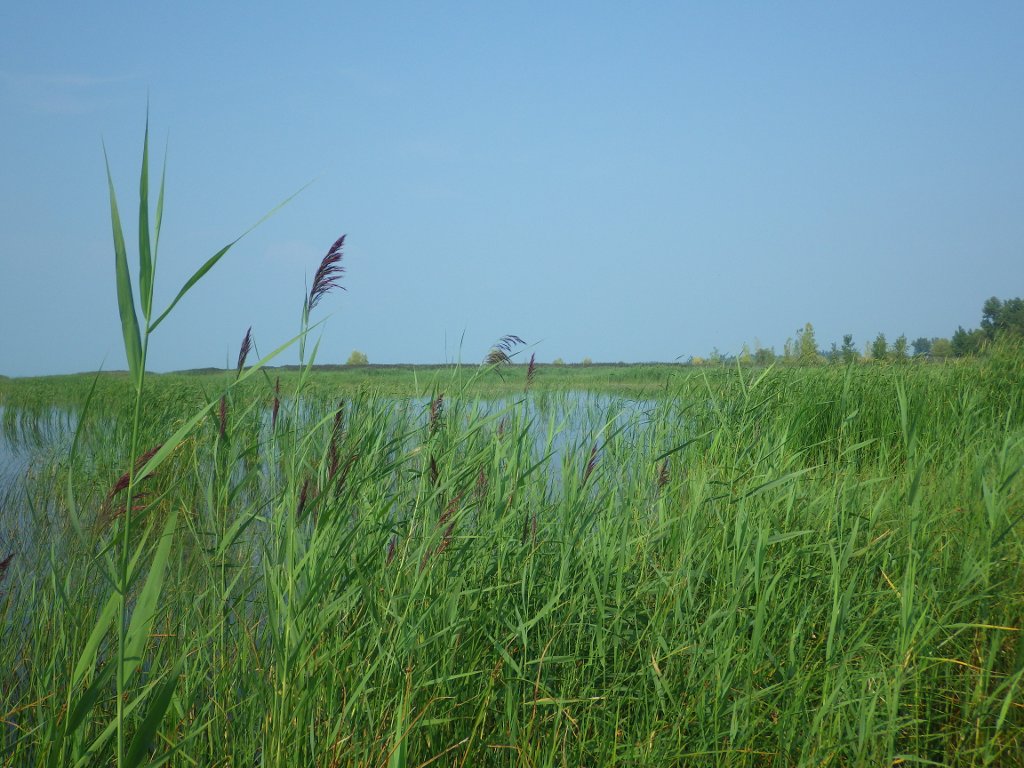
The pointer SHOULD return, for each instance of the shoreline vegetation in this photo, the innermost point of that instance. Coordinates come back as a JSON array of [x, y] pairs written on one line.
[[779, 567], [415, 379]]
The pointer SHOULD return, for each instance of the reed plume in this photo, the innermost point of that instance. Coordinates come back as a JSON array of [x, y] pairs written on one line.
[[436, 412], [223, 416], [663, 476], [125, 479], [480, 491], [531, 371], [591, 464], [277, 404], [343, 474], [327, 275], [501, 352], [107, 513], [243, 351]]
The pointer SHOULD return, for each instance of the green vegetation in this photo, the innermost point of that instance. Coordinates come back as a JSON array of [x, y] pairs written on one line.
[[824, 567], [490, 565], [357, 358]]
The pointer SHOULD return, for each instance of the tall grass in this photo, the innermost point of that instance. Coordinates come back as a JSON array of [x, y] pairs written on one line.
[[782, 567]]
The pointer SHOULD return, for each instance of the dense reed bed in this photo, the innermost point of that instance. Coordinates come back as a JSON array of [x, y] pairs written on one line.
[[815, 567]]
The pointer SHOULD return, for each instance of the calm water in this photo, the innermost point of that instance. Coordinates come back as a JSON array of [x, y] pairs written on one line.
[[559, 424]]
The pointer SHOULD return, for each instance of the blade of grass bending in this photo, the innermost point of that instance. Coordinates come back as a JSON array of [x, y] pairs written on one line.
[[88, 758], [125, 300], [146, 606], [143, 740], [88, 700], [679, 447], [85, 661], [212, 261], [145, 257]]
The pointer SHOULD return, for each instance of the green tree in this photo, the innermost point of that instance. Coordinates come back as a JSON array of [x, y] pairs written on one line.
[[848, 350], [1002, 317], [745, 357], [807, 345], [764, 356], [941, 348], [357, 358], [899, 349], [879, 347], [922, 346], [587, 362], [558, 361], [966, 342], [789, 351]]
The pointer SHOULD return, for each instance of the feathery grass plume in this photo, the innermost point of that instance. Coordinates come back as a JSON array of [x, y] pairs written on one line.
[[497, 357], [243, 351], [529, 527], [107, 514], [277, 404], [446, 537], [663, 476], [434, 473], [501, 352], [343, 474], [140, 462], [591, 464], [392, 546], [303, 496], [436, 412], [480, 491], [531, 371], [327, 275], [449, 512], [223, 416]]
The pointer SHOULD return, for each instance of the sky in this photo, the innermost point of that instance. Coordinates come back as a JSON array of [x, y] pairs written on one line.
[[620, 181]]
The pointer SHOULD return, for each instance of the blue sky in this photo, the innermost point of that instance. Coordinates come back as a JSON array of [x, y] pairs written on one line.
[[627, 182]]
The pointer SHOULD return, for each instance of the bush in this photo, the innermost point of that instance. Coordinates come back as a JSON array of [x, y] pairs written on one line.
[[357, 358]]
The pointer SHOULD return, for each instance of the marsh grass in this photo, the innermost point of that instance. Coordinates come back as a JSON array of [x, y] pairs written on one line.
[[761, 568], [788, 568]]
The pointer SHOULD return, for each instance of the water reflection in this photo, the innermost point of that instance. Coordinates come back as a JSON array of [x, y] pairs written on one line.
[[555, 426]]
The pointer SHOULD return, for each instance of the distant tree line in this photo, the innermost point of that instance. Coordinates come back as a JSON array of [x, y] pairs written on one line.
[[999, 319]]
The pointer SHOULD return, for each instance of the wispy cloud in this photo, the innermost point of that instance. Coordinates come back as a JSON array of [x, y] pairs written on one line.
[[66, 93]]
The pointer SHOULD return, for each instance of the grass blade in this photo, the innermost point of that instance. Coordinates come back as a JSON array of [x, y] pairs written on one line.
[[142, 742], [145, 257], [212, 262], [146, 606], [125, 299]]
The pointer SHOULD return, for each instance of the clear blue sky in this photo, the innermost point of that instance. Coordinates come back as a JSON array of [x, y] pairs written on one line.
[[621, 181]]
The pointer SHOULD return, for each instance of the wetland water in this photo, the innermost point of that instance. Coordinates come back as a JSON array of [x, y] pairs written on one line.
[[557, 425]]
